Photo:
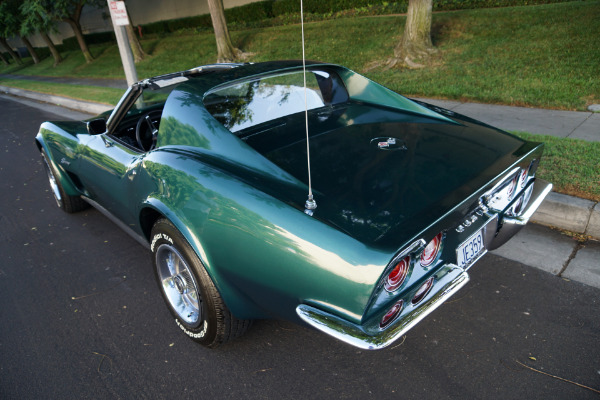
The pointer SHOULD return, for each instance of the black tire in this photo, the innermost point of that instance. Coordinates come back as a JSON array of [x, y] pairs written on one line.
[[67, 203], [188, 290]]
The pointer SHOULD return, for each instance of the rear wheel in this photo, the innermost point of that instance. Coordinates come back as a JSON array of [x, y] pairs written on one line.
[[188, 290], [67, 203]]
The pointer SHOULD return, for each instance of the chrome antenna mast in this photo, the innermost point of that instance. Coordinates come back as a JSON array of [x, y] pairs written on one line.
[[310, 204]]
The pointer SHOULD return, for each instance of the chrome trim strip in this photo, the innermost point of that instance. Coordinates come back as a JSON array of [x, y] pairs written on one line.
[[140, 239], [541, 189], [414, 247], [486, 198], [369, 336]]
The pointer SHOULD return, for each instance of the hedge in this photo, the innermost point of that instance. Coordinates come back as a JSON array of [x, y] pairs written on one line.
[[90, 38], [280, 12], [253, 12], [332, 6]]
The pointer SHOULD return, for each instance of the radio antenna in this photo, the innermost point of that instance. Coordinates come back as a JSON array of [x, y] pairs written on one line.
[[310, 204]]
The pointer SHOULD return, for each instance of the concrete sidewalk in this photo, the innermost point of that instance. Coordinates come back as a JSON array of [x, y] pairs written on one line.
[[583, 125]]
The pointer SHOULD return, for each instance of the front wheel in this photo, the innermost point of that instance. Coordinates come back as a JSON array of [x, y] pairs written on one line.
[[188, 290]]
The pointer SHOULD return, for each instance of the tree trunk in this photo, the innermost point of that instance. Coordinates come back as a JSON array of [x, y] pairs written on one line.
[[225, 50], [30, 49], [80, 39], [10, 51], [134, 43], [4, 60], [53, 50], [416, 42]]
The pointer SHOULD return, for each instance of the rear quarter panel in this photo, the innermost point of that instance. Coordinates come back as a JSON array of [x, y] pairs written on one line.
[[264, 256]]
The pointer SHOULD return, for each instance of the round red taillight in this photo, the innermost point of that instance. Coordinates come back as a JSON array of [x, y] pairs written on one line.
[[431, 251], [391, 314], [423, 291], [396, 278]]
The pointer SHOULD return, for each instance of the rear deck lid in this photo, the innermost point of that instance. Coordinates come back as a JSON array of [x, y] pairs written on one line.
[[382, 174]]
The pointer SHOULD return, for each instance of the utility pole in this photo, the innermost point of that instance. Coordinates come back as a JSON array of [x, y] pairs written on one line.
[[118, 15]]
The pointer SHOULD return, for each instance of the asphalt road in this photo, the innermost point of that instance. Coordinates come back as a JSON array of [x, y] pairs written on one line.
[[81, 317]]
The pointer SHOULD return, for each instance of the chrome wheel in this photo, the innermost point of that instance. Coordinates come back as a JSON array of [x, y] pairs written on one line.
[[192, 297], [53, 183], [179, 285]]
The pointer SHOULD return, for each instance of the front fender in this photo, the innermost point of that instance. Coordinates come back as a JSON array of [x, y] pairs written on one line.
[[63, 178]]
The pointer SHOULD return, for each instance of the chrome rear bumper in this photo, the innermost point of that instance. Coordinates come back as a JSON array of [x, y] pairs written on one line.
[[511, 225], [448, 280], [370, 336]]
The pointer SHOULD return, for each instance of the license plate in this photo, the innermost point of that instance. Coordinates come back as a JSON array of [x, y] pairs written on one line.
[[470, 250]]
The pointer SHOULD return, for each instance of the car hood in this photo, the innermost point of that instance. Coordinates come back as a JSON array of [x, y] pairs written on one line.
[[382, 175]]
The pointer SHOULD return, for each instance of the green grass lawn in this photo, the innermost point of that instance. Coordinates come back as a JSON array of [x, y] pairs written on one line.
[[541, 56], [570, 164], [96, 94]]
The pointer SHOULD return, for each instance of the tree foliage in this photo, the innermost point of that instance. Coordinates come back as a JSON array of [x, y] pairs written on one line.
[[69, 11], [10, 25], [22, 18], [36, 19], [9, 18]]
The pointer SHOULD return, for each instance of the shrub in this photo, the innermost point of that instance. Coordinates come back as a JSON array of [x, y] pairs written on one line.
[[90, 38], [280, 12]]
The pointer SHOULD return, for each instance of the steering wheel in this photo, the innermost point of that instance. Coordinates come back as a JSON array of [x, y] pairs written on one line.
[[146, 136]]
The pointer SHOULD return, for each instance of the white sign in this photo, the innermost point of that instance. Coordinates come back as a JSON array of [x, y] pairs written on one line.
[[118, 13]]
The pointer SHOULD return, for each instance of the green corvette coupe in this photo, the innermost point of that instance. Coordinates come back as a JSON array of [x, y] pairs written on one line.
[[210, 169]]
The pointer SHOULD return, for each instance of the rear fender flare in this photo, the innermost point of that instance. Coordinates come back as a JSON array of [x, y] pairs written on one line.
[[239, 304]]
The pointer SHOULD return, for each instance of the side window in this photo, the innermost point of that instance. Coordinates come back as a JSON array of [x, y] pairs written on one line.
[[150, 99], [139, 125], [253, 102]]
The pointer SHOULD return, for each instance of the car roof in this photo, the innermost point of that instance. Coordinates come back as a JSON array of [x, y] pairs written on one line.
[[216, 74]]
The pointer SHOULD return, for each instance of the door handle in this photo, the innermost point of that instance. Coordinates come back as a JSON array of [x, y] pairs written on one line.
[[107, 143]]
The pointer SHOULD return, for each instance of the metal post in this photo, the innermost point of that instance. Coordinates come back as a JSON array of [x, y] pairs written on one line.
[[124, 50]]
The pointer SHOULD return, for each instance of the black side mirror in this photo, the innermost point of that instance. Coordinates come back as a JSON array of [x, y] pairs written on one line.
[[96, 126]]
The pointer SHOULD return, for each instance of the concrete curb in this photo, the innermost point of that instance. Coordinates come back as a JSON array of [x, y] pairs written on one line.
[[558, 210], [570, 213], [79, 105]]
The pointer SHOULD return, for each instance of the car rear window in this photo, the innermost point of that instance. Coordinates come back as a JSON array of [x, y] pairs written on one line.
[[246, 104]]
